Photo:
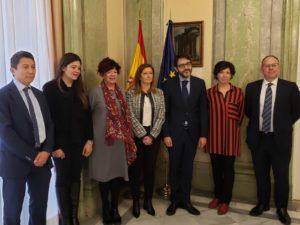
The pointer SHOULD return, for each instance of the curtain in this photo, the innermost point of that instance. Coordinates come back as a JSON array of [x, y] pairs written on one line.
[[34, 26], [57, 34], [26, 25]]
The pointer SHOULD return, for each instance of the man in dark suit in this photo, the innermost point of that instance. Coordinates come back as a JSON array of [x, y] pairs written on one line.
[[185, 127], [26, 141], [272, 106]]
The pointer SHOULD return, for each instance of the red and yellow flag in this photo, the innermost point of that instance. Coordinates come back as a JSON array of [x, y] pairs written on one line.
[[139, 57]]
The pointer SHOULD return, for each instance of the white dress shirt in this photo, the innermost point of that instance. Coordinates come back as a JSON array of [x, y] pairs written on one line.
[[147, 112], [36, 106], [188, 85]]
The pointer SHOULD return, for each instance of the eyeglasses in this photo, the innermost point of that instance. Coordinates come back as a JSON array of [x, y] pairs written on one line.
[[270, 65], [181, 66]]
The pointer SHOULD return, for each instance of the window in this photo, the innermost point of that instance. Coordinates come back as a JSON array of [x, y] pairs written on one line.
[[24, 26]]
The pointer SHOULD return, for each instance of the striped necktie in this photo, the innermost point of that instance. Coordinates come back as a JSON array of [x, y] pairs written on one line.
[[267, 112], [33, 118]]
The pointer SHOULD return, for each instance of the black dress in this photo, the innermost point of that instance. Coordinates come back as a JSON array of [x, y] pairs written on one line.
[[73, 127]]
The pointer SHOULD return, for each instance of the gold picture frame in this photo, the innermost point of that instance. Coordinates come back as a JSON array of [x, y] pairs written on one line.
[[188, 40]]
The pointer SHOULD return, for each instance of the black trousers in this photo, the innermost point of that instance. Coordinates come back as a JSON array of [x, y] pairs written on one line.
[[223, 174], [268, 156], [68, 170], [144, 164], [13, 196], [181, 158]]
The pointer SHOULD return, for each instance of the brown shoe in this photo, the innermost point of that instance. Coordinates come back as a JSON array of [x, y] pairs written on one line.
[[223, 209], [214, 203]]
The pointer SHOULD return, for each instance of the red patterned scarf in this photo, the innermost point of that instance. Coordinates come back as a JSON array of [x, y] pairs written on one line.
[[118, 124]]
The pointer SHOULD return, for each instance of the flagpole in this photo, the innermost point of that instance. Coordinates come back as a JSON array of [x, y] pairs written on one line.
[[167, 71], [140, 13], [165, 190]]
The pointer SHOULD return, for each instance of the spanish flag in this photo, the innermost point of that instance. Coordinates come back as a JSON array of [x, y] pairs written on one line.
[[139, 57]]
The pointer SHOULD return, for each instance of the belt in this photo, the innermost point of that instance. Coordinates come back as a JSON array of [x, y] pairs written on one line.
[[185, 125], [268, 134]]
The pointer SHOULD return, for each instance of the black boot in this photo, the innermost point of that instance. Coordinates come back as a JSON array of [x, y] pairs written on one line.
[[136, 208], [75, 194], [149, 207], [115, 189], [104, 192], [63, 201]]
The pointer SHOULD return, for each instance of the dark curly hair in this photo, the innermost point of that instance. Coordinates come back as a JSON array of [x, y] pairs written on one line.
[[222, 65], [107, 64]]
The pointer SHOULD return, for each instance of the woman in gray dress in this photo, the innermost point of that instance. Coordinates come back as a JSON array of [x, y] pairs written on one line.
[[114, 147]]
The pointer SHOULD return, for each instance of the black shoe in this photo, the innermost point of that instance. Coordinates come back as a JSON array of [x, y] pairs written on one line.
[[116, 218], [283, 216], [259, 209], [136, 208], [149, 207], [191, 209], [171, 210]]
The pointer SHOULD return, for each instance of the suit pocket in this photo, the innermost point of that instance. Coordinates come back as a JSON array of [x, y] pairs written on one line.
[[233, 111]]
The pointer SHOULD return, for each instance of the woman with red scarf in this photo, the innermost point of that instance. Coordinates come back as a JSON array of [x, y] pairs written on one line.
[[114, 147]]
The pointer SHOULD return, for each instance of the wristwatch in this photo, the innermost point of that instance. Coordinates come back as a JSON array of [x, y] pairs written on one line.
[[90, 142]]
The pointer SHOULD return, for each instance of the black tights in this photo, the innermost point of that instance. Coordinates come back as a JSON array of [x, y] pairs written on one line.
[[110, 189]]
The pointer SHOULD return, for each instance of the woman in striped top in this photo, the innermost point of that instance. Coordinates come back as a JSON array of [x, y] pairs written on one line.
[[226, 110]]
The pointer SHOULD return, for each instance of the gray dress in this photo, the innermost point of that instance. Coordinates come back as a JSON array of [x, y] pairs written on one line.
[[106, 161]]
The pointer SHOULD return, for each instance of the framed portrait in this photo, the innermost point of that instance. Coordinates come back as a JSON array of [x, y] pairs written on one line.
[[188, 39]]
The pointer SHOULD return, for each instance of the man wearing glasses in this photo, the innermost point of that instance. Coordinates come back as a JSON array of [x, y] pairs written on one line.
[[272, 106], [185, 127]]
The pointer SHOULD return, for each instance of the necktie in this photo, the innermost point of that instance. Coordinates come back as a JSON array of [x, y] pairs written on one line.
[[267, 111], [184, 91], [33, 118]]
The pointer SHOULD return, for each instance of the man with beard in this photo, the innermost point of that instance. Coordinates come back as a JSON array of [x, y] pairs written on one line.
[[185, 127]]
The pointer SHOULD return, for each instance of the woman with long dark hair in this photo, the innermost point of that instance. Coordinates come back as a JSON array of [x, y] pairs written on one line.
[[69, 107]]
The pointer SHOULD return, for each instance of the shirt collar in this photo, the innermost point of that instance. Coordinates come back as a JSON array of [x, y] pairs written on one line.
[[19, 85], [215, 88], [274, 82], [182, 79]]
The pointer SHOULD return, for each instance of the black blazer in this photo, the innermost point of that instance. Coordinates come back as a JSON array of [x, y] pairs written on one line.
[[286, 113], [72, 122], [17, 142], [195, 112]]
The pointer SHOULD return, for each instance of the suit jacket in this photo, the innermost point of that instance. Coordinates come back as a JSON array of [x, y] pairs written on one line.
[[177, 112], [158, 116], [17, 151], [286, 113]]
